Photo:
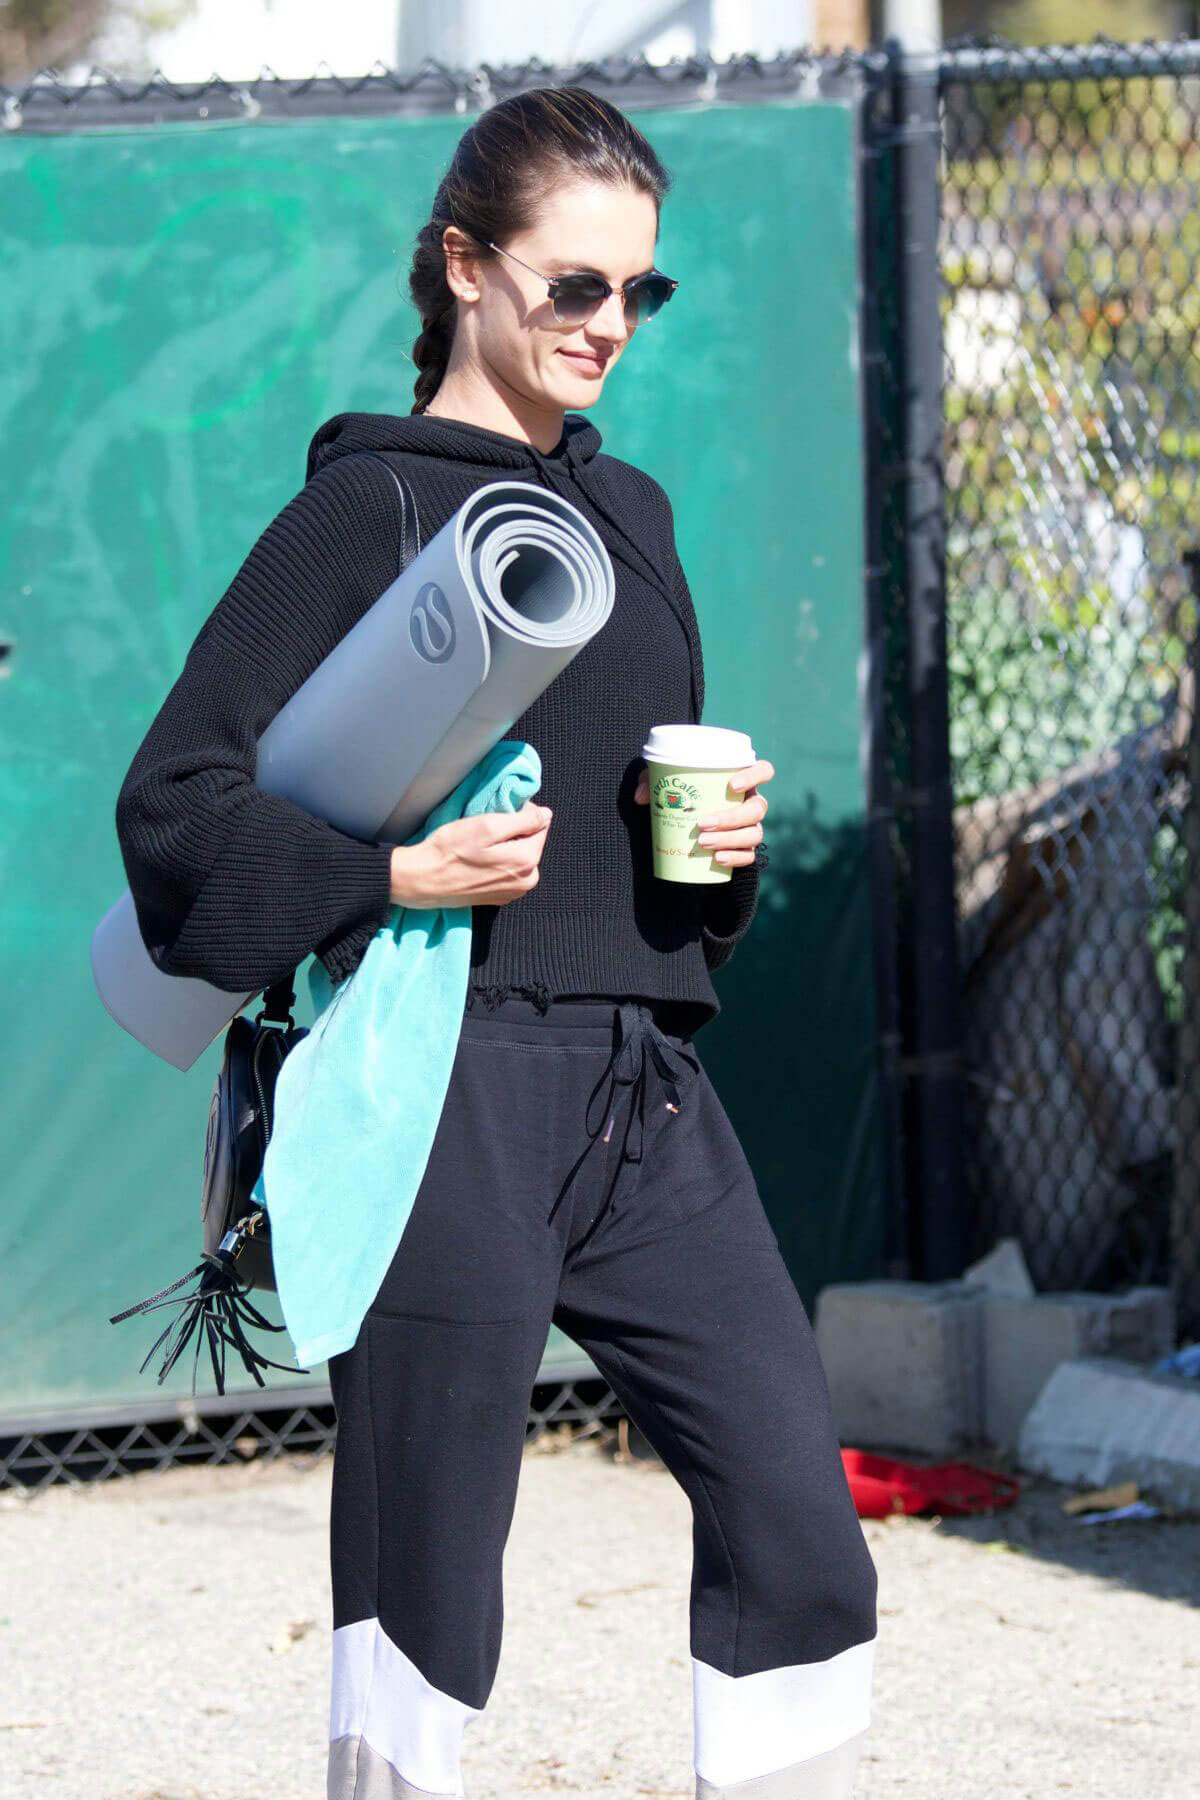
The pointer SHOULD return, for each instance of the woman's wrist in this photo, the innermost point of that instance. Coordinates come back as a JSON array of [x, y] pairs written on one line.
[[405, 886]]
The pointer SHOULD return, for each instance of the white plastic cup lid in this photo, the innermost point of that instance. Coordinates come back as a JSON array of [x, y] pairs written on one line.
[[698, 747]]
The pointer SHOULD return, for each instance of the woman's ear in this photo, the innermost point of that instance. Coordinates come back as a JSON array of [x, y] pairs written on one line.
[[462, 263]]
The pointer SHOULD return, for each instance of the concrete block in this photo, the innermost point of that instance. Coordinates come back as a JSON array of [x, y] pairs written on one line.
[[1024, 1341], [1150, 1314], [1099, 1420], [902, 1359], [1002, 1271]]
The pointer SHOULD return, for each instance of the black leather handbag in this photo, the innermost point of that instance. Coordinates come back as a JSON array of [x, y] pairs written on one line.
[[237, 1236]]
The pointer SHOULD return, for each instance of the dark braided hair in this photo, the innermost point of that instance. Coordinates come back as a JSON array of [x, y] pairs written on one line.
[[503, 168]]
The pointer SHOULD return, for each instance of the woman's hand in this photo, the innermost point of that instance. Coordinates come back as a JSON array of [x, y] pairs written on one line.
[[732, 831], [485, 860]]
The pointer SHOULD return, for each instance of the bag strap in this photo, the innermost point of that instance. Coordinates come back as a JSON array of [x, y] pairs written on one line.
[[280, 997], [278, 1001], [408, 508]]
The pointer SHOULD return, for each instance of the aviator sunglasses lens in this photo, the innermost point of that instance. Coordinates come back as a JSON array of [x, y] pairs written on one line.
[[648, 297], [577, 297]]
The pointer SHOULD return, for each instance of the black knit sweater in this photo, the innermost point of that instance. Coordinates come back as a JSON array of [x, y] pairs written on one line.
[[238, 886]]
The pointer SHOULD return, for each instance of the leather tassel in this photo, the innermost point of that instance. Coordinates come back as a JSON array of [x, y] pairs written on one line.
[[215, 1313]]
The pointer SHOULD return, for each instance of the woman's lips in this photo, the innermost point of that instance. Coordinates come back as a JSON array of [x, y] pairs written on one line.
[[587, 365]]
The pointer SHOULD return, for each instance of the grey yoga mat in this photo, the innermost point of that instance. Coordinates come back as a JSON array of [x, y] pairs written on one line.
[[429, 679]]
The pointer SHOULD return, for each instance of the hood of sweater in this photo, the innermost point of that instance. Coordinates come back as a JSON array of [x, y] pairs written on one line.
[[421, 434], [571, 465]]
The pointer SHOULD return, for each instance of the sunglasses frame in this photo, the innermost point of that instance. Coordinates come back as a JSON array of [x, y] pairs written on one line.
[[554, 283]]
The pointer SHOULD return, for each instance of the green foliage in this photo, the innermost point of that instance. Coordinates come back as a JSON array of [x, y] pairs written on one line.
[[1078, 21], [1166, 930], [1071, 244]]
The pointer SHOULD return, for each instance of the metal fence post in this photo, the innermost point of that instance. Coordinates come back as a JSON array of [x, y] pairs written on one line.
[[1185, 1189], [884, 697], [935, 1062]]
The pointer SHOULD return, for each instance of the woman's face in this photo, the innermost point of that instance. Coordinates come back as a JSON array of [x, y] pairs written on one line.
[[508, 321]]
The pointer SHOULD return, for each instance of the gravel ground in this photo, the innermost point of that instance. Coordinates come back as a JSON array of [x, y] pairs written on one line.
[[165, 1637]]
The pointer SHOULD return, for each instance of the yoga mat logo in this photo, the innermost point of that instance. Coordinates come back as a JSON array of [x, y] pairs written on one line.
[[431, 624]]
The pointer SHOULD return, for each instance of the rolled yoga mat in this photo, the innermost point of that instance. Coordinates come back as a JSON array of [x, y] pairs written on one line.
[[428, 680]]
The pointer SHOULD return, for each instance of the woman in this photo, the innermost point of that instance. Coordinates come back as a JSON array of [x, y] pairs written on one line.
[[637, 1228]]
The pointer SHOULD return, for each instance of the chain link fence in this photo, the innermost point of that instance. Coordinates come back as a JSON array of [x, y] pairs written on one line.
[[239, 1429], [1069, 243]]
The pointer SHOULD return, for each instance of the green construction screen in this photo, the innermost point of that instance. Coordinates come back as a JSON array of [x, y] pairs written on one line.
[[183, 306]]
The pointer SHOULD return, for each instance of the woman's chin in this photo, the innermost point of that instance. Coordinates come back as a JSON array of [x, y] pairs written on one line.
[[575, 393]]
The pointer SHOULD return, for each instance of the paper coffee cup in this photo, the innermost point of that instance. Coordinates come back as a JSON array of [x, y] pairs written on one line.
[[688, 768]]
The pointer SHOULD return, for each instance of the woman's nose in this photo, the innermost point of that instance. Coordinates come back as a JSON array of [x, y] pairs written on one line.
[[608, 321]]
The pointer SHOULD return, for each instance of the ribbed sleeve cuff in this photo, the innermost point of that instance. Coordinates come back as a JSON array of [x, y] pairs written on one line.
[[729, 911], [368, 891], [284, 884]]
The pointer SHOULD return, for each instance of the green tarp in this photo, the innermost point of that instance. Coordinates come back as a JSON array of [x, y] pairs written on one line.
[[183, 306]]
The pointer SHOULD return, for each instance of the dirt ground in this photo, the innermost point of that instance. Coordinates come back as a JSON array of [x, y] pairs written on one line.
[[165, 1637]]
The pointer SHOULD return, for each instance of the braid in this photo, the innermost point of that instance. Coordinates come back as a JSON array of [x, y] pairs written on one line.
[[431, 353], [434, 300]]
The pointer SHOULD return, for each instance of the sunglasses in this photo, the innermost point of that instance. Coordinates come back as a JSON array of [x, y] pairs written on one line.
[[575, 298]]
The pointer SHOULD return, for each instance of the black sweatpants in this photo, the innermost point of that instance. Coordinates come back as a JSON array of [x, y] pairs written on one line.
[[584, 1171]]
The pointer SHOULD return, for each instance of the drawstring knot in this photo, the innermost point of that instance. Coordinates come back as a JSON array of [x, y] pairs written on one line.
[[638, 1034]]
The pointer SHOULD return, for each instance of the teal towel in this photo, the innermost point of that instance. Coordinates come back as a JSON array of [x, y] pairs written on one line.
[[358, 1100]]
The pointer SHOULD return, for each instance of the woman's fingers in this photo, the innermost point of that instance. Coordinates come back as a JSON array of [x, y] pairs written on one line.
[[746, 837], [751, 811], [749, 777]]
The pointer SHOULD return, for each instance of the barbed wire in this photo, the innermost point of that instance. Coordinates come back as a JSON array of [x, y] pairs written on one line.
[[47, 101], [989, 57]]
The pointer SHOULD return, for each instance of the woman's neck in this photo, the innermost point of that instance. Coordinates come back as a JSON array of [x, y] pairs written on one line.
[[468, 394]]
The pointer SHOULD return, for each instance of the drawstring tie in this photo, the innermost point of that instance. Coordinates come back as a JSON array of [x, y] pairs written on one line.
[[637, 1034]]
